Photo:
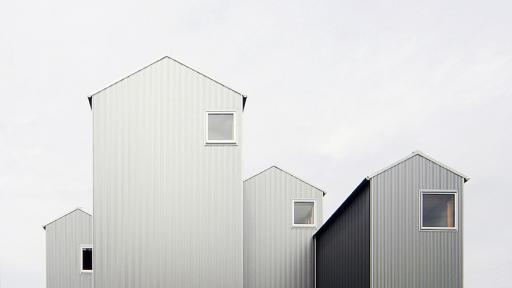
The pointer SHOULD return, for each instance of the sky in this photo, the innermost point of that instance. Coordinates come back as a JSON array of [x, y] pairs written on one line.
[[336, 90]]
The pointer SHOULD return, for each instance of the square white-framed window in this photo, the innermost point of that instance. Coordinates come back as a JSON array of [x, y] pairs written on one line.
[[438, 210], [220, 127], [304, 213], [86, 258]]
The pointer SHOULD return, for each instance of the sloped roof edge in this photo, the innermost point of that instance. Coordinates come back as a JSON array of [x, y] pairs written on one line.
[[244, 98], [342, 207], [72, 211], [286, 172], [415, 153]]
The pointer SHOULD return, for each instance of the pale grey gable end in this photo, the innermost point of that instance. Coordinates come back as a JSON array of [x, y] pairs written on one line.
[[428, 257], [275, 168], [65, 237], [423, 155], [76, 210], [277, 251], [172, 60]]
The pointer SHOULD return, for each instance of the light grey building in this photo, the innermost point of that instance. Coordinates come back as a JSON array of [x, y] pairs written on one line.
[[281, 214], [69, 251], [167, 180], [401, 227]]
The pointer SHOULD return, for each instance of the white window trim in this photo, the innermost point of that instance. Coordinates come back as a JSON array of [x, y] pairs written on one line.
[[314, 213], [82, 247], [232, 141], [439, 192]]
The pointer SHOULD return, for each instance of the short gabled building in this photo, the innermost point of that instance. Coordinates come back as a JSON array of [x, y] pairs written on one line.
[[402, 227], [281, 214], [69, 251]]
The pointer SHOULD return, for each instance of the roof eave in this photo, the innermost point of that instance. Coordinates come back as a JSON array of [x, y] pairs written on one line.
[[419, 153], [76, 209], [342, 207], [276, 167], [244, 98]]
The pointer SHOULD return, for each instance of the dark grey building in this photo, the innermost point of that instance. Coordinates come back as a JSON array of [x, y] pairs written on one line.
[[401, 227]]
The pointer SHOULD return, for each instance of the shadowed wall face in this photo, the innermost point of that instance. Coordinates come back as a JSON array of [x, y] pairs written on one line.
[[343, 247]]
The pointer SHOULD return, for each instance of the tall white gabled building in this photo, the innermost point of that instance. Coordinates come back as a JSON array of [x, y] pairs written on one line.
[[167, 180]]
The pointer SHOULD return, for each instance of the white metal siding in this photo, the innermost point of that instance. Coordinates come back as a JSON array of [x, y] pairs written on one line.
[[168, 208], [275, 254], [64, 238], [402, 255]]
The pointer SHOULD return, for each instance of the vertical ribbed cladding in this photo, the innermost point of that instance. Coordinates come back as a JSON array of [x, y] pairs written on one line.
[[343, 246], [64, 238], [275, 253], [167, 206], [402, 255]]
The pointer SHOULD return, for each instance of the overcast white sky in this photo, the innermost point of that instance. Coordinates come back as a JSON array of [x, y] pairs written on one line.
[[337, 90]]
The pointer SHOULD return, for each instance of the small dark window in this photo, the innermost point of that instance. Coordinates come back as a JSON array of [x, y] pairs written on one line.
[[86, 259]]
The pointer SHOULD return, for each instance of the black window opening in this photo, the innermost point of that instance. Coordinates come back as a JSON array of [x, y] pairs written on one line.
[[87, 259]]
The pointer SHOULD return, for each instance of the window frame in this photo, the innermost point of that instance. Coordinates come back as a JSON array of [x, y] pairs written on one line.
[[82, 247], [220, 112], [439, 192], [314, 225]]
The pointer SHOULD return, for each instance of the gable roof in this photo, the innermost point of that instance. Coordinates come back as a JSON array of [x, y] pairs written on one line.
[[366, 181], [78, 209], [288, 173], [419, 153], [244, 98]]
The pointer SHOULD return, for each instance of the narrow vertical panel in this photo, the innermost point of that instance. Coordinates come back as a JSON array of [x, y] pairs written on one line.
[[275, 253], [343, 244]]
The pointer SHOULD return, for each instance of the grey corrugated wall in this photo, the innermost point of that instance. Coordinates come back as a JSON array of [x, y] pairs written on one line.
[[275, 253], [343, 246], [167, 207], [64, 238], [402, 255]]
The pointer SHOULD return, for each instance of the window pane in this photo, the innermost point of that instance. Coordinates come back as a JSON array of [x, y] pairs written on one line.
[[303, 213], [86, 258], [220, 127], [439, 210]]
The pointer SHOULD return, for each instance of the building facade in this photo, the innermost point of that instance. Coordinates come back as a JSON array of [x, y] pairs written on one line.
[[281, 214], [401, 227], [167, 180], [171, 209], [68, 251]]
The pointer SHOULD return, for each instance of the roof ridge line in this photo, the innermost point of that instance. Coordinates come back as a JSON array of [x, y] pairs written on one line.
[[419, 153], [288, 173], [244, 97], [76, 209]]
